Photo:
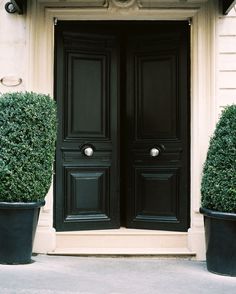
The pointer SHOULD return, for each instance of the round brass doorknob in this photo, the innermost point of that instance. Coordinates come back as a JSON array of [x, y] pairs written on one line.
[[88, 151], [154, 152]]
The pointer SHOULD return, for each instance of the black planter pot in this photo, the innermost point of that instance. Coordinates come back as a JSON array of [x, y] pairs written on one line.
[[220, 235], [18, 222]]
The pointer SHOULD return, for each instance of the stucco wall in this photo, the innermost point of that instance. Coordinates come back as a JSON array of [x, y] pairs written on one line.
[[12, 47], [13, 59], [226, 57]]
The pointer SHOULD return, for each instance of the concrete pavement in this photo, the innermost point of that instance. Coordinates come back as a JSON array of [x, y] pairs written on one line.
[[91, 275]]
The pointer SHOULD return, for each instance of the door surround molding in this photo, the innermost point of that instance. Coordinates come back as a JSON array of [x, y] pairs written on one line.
[[41, 18]]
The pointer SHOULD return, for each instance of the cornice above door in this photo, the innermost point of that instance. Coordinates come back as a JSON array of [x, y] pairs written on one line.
[[19, 6]]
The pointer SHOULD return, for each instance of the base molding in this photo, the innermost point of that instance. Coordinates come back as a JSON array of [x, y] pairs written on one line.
[[164, 252], [196, 241], [45, 240]]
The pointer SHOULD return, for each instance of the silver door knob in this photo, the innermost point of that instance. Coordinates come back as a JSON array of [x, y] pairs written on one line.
[[88, 151], [154, 152]]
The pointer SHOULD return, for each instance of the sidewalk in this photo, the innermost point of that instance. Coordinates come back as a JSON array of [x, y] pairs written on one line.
[[91, 275]]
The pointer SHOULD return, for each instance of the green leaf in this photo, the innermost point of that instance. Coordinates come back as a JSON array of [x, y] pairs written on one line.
[[28, 127], [218, 186]]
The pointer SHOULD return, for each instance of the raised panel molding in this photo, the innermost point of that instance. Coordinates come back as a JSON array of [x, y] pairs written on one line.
[[86, 193], [155, 188], [90, 70], [86, 75], [92, 182]]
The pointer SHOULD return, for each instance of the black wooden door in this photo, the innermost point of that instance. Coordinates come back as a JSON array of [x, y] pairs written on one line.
[[86, 89], [157, 127], [122, 94]]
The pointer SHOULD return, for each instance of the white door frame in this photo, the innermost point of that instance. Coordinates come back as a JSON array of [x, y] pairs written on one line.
[[41, 18]]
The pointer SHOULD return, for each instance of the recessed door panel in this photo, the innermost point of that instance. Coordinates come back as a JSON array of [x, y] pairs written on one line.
[[87, 84], [156, 198], [156, 81], [87, 195]]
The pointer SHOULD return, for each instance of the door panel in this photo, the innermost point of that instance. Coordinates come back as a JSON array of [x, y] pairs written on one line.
[[85, 70], [87, 97], [151, 72], [87, 189], [156, 194], [122, 89], [157, 117]]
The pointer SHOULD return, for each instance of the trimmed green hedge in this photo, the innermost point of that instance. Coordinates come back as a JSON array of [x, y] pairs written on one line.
[[28, 126], [218, 187]]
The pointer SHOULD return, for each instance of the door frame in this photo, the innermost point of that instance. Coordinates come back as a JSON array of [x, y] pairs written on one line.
[[41, 18]]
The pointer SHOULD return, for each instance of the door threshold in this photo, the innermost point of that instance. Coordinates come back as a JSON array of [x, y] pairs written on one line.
[[122, 241], [121, 231]]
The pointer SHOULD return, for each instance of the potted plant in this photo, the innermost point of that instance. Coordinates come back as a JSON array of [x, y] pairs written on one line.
[[27, 145], [218, 190]]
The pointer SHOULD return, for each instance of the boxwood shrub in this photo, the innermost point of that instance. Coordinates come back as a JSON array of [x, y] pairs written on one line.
[[28, 126], [218, 187]]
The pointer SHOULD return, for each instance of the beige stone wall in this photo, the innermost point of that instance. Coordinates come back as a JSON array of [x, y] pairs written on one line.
[[12, 48], [226, 57], [13, 57]]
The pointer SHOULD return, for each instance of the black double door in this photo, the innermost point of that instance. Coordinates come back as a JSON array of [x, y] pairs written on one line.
[[122, 90]]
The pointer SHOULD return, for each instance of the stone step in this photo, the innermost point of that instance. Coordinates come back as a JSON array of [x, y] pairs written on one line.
[[122, 242], [164, 252]]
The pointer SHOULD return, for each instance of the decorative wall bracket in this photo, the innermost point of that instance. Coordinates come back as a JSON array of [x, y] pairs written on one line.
[[123, 3], [15, 6]]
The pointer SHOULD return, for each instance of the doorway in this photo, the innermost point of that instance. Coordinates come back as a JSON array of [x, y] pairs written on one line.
[[122, 159]]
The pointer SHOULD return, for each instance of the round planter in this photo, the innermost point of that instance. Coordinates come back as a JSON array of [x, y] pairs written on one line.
[[18, 222], [220, 235]]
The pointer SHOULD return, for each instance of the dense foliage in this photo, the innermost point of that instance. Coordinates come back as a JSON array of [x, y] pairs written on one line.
[[218, 186], [27, 145]]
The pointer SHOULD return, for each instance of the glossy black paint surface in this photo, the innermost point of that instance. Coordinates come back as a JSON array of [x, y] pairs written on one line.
[[122, 88]]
